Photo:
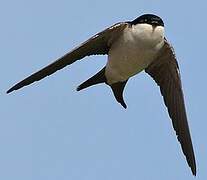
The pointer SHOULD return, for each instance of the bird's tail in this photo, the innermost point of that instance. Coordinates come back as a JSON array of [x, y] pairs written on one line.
[[100, 77], [96, 79]]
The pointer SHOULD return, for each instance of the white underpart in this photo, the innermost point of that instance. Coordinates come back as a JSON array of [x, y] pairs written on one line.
[[133, 51]]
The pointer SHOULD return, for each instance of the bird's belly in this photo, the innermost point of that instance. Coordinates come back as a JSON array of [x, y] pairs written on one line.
[[133, 52], [124, 62]]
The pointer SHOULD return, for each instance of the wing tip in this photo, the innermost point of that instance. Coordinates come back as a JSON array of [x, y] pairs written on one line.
[[10, 90], [15, 87], [193, 169], [78, 88], [194, 172]]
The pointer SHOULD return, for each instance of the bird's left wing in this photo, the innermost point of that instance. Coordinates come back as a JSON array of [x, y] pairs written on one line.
[[164, 70], [98, 44]]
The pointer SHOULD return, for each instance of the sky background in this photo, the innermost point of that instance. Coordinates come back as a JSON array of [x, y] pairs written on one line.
[[48, 131]]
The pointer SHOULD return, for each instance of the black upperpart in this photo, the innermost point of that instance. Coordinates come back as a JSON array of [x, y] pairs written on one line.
[[148, 19]]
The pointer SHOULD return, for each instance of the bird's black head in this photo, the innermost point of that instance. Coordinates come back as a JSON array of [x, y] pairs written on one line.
[[148, 19]]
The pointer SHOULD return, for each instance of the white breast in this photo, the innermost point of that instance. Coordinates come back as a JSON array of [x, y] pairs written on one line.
[[133, 51]]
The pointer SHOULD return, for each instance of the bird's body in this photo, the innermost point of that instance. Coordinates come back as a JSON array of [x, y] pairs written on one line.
[[131, 47], [133, 51]]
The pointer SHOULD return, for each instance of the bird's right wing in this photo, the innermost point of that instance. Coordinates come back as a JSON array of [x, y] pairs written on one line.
[[164, 70], [98, 44]]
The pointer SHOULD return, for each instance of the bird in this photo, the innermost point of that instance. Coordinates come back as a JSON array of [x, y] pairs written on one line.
[[132, 47]]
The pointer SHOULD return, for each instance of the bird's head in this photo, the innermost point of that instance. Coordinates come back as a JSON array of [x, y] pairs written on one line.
[[148, 19]]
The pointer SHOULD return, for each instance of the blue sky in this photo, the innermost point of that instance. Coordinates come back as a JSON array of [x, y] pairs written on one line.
[[50, 131]]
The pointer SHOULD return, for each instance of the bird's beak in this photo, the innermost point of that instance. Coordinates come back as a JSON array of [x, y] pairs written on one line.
[[153, 27]]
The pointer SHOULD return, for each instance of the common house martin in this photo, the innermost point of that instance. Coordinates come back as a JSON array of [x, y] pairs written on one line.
[[132, 46]]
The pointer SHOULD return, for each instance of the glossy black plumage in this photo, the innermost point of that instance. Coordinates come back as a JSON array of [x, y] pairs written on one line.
[[164, 70], [149, 19]]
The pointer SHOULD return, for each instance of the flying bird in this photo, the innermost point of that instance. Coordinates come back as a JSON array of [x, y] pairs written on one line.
[[132, 46]]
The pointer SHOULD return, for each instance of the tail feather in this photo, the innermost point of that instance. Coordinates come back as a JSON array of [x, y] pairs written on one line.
[[118, 89], [96, 79]]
